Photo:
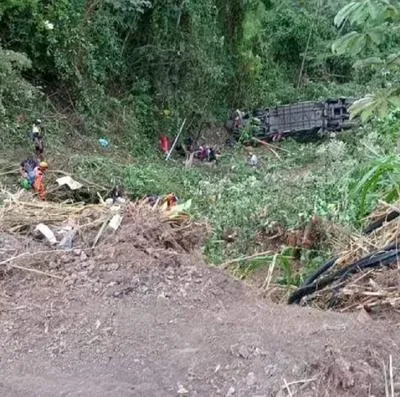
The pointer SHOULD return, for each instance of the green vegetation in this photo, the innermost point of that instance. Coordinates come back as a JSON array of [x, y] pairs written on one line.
[[130, 70]]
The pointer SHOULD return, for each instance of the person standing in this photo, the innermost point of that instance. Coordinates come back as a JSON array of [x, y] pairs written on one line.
[[27, 169], [38, 184], [37, 138], [253, 161]]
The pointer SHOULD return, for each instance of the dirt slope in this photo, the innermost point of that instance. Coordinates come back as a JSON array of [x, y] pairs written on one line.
[[144, 316]]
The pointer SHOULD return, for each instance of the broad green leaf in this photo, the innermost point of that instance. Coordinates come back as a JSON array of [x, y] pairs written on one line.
[[393, 59], [368, 62], [394, 101], [352, 43], [371, 179], [373, 9], [345, 12], [376, 35], [361, 105], [360, 14], [367, 113]]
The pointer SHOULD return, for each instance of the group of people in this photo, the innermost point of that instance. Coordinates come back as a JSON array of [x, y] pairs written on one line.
[[187, 147], [33, 169]]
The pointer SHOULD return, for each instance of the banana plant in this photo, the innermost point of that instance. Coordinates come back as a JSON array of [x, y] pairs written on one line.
[[382, 179], [371, 22]]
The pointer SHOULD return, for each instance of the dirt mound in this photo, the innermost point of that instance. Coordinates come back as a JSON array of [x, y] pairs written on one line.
[[140, 314], [146, 242]]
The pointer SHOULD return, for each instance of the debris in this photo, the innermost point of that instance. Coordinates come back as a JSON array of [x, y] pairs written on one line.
[[251, 379], [109, 202], [182, 390], [78, 228], [46, 232], [67, 242], [115, 222], [104, 142], [230, 235], [71, 183]]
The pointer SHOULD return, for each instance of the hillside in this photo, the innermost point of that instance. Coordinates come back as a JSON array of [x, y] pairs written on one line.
[[193, 299]]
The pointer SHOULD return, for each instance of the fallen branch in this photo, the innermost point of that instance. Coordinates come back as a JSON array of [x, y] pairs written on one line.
[[176, 140], [102, 230], [245, 258], [9, 172], [267, 146], [301, 381], [26, 254], [288, 388], [270, 273], [270, 145]]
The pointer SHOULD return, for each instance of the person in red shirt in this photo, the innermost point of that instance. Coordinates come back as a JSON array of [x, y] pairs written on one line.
[[164, 144]]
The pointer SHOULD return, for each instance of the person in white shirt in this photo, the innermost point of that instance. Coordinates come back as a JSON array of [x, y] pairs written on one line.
[[253, 161]]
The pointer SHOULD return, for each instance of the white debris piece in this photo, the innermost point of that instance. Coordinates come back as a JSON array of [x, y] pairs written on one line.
[[46, 232], [115, 222], [71, 183]]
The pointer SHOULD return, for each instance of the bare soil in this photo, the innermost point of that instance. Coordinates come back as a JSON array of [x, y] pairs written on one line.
[[143, 315]]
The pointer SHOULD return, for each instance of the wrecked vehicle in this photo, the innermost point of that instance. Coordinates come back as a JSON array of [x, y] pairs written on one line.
[[300, 120]]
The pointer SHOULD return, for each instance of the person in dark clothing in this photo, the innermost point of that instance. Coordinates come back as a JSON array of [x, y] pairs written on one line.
[[212, 155], [116, 193], [27, 169], [189, 144]]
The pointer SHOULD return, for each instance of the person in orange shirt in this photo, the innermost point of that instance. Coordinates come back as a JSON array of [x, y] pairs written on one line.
[[38, 184]]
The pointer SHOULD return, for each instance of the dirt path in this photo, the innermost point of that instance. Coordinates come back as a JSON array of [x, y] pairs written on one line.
[[187, 330]]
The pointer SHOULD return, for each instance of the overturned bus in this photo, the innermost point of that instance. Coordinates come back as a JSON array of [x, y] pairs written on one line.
[[299, 120]]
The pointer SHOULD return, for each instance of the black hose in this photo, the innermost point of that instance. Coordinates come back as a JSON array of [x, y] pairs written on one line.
[[382, 258], [313, 276], [379, 222], [328, 265]]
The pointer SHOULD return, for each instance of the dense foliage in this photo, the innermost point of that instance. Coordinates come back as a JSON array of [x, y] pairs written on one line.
[[122, 65]]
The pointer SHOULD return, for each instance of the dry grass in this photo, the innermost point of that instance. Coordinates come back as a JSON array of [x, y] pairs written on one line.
[[21, 213], [375, 289], [90, 227]]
